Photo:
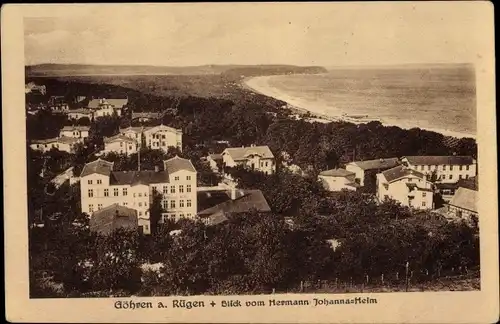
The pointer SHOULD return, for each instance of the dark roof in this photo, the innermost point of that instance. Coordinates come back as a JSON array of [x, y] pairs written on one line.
[[440, 160], [384, 163], [138, 177], [251, 199], [400, 172], [177, 163], [336, 173], [112, 217], [242, 153], [465, 198], [98, 166], [471, 183], [72, 128], [146, 115]]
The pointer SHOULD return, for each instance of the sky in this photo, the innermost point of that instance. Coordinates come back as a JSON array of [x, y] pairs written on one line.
[[325, 34]]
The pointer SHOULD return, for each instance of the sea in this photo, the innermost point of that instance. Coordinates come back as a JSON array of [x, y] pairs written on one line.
[[441, 98]]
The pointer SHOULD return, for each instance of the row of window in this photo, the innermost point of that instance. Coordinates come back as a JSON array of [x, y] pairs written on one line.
[[173, 203], [435, 167], [174, 216], [99, 207], [172, 188], [262, 164], [99, 181], [116, 192]]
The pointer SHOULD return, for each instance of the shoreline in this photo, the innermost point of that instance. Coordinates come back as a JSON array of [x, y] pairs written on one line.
[[255, 84]]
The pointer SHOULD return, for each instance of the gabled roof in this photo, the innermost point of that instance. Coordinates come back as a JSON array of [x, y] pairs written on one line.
[[62, 139], [162, 128], [72, 128], [439, 160], [465, 198], [112, 217], [98, 166], [177, 163], [384, 163], [251, 199], [118, 138], [134, 129], [138, 177], [117, 103], [400, 172], [242, 153], [336, 173]]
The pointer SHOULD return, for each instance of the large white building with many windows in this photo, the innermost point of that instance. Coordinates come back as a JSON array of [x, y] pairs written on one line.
[[159, 137], [448, 169], [100, 187]]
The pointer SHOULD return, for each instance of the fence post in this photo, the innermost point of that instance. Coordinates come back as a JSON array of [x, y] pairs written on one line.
[[367, 279], [336, 283], [406, 275], [301, 286], [382, 278]]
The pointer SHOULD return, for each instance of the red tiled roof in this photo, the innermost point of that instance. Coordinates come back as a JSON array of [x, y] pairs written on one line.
[[336, 173], [384, 163], [138, 177], [98, 166], [400, 172], [110, 218], [440, 160], [177, 163]]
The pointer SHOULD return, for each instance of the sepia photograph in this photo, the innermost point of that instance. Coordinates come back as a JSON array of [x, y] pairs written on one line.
[[186, 150]]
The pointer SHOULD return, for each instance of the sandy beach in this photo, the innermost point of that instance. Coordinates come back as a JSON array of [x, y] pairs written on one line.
[[317, 108]]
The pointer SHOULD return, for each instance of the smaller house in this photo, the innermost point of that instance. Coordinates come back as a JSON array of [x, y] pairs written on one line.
[[120, 144], [360, 168], [259, 158], [110, 218], [107, 107], [81, 132], [215, 161], [406, 186], [80, 113], [66, 144], [338, 179], [234, 202], [463, 205]]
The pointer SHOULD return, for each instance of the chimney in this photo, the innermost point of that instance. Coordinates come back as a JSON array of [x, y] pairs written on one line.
[[157, 168]]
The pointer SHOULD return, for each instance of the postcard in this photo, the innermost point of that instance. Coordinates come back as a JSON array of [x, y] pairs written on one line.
[[329, 162]]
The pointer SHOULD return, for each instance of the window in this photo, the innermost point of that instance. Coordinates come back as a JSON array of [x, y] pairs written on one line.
[[444, 167], [163, 136], [125, 203], [188, 203], [124, 191], [428, 167], [410, 180], [179, 144], [421, 167], [172, 204], [91, 193], [451, 167], [261, 164], [188, 178], [181, 189], [460, 177], [181, 203], [115, 192], [140, 194], [424, 194], [91, 208], [188, 215], [450, 177], [460, 168], [423, 204], [147, 227], [188, 188], [90, 181], [140, 204], [145, 194], [99, 181], [130, 147], [466, 176], [99, 206], [176, 178], [267, 164], [163, 144], [106, 192], [140, 213], [467, 167], [134, 194], [181, 215], [145, 204]]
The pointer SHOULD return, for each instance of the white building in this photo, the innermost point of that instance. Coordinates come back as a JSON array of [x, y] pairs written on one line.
[[259, 158], [80, 113], [338, 179], [162, 137], [158, 137], [100, 187], [81, 132], [361, 167], [66, 144], [448, 169], [405, 185], [120, 144], [107, 107]]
